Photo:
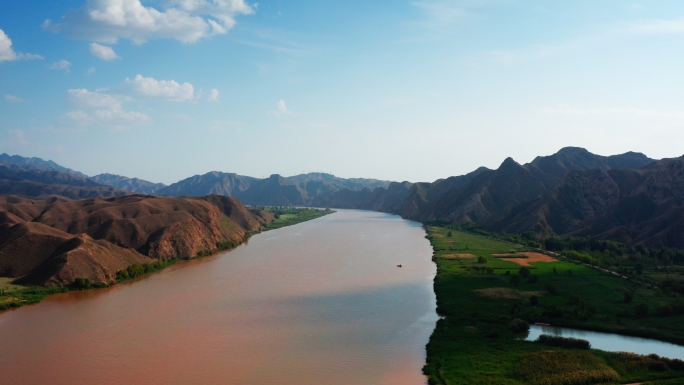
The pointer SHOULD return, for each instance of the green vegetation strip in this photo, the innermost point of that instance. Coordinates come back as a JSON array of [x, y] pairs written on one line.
[[484, 300], [13, 296], [288, 216]]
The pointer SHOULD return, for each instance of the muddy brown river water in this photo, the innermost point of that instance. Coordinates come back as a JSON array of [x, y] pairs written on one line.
[[322, 302]]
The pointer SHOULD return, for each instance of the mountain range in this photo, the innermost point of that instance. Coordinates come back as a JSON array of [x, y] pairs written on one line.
[[628, 197]]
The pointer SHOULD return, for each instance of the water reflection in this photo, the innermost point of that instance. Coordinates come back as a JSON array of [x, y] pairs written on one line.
[[612, 342]]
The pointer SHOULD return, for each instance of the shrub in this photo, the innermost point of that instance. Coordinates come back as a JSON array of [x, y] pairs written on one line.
[[81, 283], [564, 368], [641, 310], [574, 299], [449, 234], [481, 259], [674, 308], [563, 342], [551, 288], [524, 271], [519, 326]]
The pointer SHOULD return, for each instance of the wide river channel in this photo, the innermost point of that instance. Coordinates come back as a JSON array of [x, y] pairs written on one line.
[[322, 302]]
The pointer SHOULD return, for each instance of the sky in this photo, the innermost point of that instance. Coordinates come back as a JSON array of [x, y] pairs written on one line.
[[396, 90]]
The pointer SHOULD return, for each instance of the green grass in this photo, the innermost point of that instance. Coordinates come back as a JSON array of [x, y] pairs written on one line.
[[293, 216], [472, 344]]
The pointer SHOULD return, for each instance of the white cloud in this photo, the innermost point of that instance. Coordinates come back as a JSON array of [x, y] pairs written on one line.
[[163, 89], [103, 52], [281, 109], [14, 99], [7, 53], [61, 65], [98, 107], [213, 95], [184, 20], [90, 71]]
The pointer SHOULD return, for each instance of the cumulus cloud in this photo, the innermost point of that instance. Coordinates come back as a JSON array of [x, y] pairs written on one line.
[[7, 53], [184, 20], [61, 65], [213, 95], [13, 99], [98, 107], [103, 52], [162, 89]]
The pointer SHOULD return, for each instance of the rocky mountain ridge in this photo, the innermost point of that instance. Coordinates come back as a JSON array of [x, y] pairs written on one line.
[[53, 241]]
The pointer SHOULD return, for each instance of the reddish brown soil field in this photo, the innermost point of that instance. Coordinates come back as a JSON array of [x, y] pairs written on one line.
[[531, 257]]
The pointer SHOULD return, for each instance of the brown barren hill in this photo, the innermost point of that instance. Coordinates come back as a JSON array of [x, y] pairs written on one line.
[[54, 241]]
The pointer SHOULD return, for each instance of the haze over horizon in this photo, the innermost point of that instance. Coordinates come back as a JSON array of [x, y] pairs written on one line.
[[415, 90]]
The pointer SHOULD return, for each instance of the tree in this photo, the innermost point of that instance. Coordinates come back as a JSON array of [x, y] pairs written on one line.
[[641, 310], [515, 280], [639, 268], [518, 326], [551, 288], [81, 283], [449, 234], [481, 259], [525, 272]]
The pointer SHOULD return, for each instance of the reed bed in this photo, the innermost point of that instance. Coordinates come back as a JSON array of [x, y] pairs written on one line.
[[564, 368]]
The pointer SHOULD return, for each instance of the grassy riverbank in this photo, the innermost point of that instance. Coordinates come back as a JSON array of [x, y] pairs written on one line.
[[479, 294], [288, 216], [13, 296]]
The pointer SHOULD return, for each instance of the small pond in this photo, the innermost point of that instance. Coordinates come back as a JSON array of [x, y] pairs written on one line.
[[612, 342]]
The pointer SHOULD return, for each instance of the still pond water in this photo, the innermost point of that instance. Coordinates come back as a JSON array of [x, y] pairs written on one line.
[[612, 342], [322, 302]]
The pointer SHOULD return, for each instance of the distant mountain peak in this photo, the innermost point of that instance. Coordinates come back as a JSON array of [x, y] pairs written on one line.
[[509, 163], [38, 163]]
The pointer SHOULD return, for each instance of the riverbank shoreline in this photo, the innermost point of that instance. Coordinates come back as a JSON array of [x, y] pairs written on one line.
[[16, 296], [480, 294]]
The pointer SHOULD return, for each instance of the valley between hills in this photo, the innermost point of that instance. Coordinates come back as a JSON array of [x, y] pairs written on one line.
[[617, 222]]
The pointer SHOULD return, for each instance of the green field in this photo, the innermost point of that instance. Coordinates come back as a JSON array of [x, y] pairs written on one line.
[[288, 216], [473, 344]]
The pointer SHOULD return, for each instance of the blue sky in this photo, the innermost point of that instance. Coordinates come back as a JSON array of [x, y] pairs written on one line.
[[403, 90]]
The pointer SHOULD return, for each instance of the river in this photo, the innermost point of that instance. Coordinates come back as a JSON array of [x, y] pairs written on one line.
[[612, 342], [322, 302]]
